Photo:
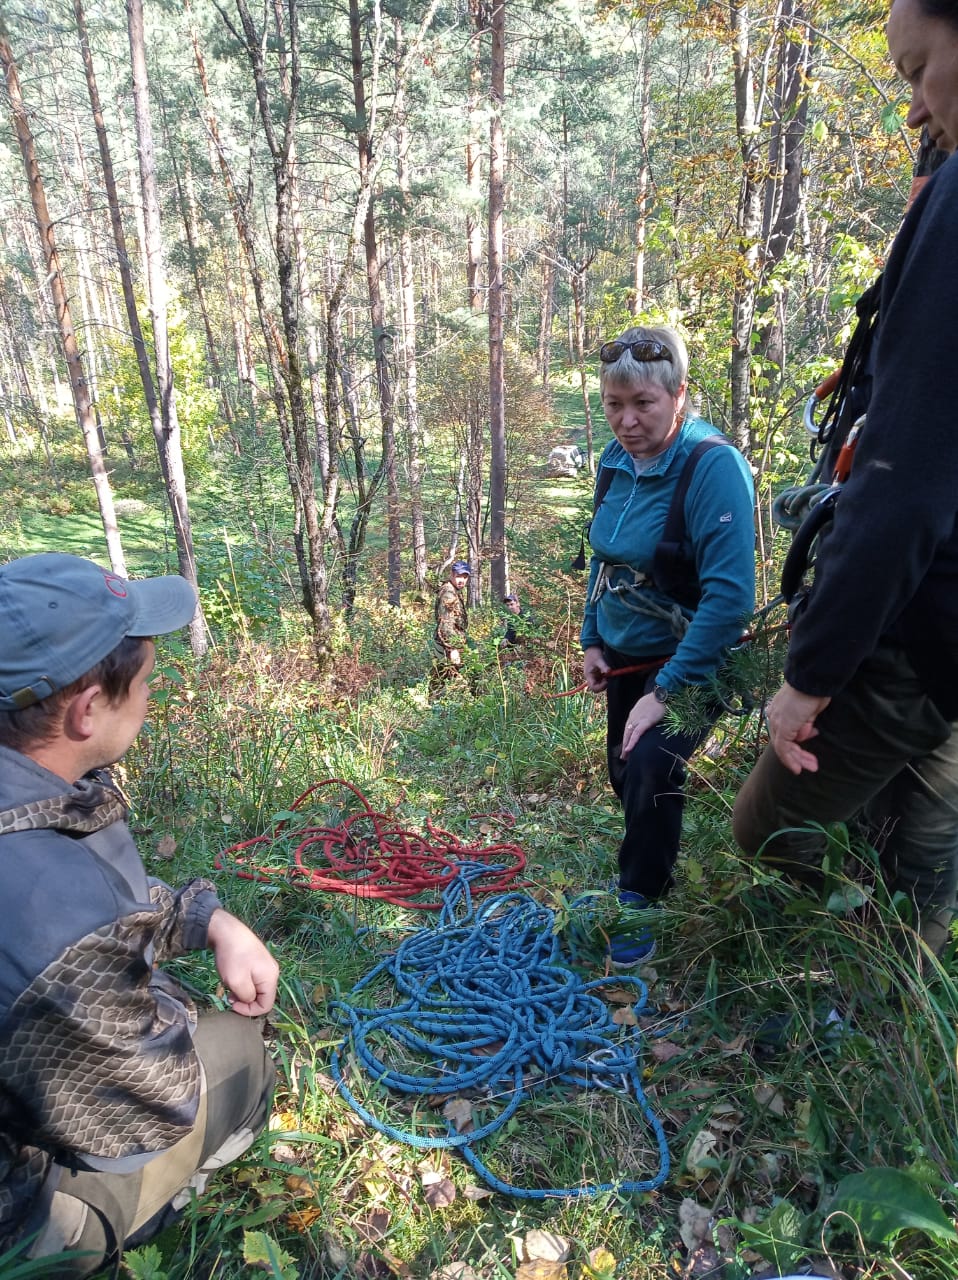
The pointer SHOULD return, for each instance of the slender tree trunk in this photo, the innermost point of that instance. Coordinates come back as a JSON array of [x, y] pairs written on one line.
[[78, 382], [748, 228], [546, 313], [169, 443], [407, 295], [578, 302], [280, 145], [474, 165], [377, 311], [498, 563], [643, 176]]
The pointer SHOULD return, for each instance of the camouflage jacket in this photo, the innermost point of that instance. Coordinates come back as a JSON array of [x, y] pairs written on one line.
[[97, 1068], [452, 620]]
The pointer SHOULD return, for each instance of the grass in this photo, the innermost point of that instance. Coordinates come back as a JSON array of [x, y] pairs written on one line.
[[765, 1102], [768, 1105]]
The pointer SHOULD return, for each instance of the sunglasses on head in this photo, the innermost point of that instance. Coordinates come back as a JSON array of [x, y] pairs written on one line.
[[643, 352]]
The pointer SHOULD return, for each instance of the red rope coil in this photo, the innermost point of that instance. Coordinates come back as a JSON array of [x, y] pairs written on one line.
[[391, 864]]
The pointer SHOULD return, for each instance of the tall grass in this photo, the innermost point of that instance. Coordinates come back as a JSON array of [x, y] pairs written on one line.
[[790, 1042]]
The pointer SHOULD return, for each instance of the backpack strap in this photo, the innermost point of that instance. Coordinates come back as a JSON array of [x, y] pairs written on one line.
[[673, 572], [602, 482]]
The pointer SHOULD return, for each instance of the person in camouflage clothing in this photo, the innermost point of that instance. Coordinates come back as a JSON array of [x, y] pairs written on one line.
[[116, 1097], [452, 625]]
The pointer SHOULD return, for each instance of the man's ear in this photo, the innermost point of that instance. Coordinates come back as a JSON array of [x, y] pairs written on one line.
[[80, 714]]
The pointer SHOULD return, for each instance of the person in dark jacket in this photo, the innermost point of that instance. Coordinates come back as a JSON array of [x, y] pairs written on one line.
[[630, 619], [116, 1098], [865, 721]]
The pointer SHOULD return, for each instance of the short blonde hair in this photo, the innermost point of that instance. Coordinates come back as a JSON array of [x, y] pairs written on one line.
[[669, 374]]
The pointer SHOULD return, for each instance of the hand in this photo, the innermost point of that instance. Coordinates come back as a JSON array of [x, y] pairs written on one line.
[[791, 721], [594, 668], [248, 970], [646, 712]]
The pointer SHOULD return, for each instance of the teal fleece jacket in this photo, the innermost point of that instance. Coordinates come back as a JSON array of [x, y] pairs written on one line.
[[720, 531]]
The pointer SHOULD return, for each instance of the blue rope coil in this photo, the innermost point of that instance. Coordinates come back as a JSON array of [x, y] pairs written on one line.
[[488, 998]]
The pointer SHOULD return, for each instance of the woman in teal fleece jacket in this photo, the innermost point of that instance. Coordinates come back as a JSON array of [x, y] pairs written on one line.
[[629, 620]]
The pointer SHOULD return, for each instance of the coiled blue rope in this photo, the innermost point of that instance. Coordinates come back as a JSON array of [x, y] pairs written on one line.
[[488, 998]]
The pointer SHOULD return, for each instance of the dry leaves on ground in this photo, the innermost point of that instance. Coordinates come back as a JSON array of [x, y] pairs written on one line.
[[695, 1224], [439, 1191], [544, 1246]]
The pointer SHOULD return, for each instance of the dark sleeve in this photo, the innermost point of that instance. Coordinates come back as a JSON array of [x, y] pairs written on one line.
[[899, 506]]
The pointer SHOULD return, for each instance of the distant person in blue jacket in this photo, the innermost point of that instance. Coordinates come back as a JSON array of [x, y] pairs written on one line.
[[632, 619]]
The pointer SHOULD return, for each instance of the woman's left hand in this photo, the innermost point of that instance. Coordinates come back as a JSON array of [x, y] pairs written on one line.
[[647, 712]]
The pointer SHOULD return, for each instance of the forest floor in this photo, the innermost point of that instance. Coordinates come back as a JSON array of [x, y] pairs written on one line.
[[797, 1055]]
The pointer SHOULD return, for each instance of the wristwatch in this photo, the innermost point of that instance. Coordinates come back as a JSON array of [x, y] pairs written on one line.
[[660, 693]]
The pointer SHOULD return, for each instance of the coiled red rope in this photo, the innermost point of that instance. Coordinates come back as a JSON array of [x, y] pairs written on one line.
[[370, 856]]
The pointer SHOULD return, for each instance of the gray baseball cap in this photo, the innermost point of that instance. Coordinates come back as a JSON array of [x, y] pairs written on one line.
[[60, 615]]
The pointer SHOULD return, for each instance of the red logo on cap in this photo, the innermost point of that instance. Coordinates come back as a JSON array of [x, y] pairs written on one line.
[[116, 585]]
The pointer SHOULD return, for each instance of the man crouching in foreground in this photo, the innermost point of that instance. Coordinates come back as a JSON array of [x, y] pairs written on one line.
[[115, 1098]]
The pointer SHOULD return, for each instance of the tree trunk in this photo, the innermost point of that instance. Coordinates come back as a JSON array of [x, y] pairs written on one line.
[[167, 431], [748, 229], [407, 296], [546, 312], [498, 555], [377, 311], [474, 166], [643, 177], [78, 383], [578, 300]]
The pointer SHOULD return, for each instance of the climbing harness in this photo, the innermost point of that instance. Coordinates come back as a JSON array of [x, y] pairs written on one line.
[[630, 587], [486, 1007], [370, 856], [673, 566], [808, 510]]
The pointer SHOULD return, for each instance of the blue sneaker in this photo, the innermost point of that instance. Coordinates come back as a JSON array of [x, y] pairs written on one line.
[[637, 945]]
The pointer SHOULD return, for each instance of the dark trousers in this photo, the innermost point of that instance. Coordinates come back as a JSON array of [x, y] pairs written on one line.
[[886, 755], [234, 1107], [650, 783]]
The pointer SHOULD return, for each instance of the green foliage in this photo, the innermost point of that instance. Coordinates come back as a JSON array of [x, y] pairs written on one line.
[[882, 1203], [145, 1263]]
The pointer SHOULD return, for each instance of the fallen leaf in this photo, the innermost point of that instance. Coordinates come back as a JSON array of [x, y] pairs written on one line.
[[302, 1219], [665, 1050], [458, 1111], [625, 1018], [700, 1149], [766, 1095], [477, 1193], [336, 1252], [619, 995], [371, 1266], [166, 846], [694, 1224], [440, 1192], [297, 1185], [601, 1265], [725, 1118], [544, 1246], [542, 1270], [284, 1120], [703, 1262], [454, 1271], [373, 1226], [733, 1046]]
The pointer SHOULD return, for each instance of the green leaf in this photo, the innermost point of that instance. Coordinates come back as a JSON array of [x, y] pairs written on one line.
[[890, 119], [262, 1251], [819, 130], [884, 1202], [779, 1238]]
